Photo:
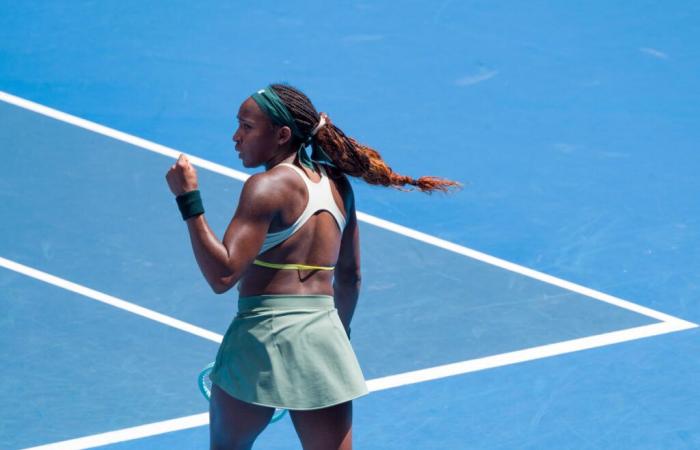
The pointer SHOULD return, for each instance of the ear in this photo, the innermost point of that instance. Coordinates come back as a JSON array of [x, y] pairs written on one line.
[[284, 136]]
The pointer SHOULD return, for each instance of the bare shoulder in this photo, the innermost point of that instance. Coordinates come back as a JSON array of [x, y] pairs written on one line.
[[262, 190], [268, 189]]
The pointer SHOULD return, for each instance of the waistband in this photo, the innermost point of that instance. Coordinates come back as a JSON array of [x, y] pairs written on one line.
[[285, 301]]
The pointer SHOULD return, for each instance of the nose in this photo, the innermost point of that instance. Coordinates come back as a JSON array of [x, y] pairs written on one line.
[[236, 137]]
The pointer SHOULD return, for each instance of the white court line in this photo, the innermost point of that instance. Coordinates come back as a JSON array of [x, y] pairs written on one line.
[[128, 434], [376, 221], [377, 384], [392, 381], [512, 267], [528, 354], [668, 323], [110, 300], [118, 135]]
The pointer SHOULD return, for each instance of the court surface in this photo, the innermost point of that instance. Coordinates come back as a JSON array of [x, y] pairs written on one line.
[[550, 304]]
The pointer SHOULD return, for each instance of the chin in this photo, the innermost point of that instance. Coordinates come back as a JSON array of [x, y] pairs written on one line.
[[243, 161], [249, 165]]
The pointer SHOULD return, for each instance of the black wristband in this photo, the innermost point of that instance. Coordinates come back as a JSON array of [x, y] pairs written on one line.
[[190, 204]]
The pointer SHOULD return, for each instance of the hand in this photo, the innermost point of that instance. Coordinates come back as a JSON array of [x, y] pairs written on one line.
[[182, 177]]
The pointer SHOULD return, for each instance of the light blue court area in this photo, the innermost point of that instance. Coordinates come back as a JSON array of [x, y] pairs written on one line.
[[96, 211], [75, 367]]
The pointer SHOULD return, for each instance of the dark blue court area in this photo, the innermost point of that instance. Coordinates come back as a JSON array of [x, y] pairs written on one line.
[[550, 304]]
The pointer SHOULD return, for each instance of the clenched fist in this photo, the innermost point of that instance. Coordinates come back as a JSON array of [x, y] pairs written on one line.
[[182, 177]]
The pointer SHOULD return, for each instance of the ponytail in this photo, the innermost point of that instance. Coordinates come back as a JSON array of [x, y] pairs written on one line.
[[348, 155]]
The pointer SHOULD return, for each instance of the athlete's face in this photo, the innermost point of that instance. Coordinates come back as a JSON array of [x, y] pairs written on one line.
[[257, 139]]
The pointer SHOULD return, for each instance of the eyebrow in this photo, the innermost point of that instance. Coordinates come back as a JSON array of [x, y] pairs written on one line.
[[240, 119]]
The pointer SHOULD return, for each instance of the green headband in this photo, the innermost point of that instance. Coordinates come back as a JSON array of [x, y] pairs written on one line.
[[268, 100]]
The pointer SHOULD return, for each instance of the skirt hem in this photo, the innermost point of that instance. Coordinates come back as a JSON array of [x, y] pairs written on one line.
[[288, 408]]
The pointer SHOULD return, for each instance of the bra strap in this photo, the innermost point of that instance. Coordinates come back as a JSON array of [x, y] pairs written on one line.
[[270, 265]]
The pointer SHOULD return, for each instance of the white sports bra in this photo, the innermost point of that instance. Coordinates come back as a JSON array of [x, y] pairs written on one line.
[[320, 198]]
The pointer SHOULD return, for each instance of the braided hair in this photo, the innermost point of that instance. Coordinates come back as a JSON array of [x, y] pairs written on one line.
[[348, 155]]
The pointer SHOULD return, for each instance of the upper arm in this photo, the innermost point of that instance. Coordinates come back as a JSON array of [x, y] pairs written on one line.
[[246, 232], [348, 266]]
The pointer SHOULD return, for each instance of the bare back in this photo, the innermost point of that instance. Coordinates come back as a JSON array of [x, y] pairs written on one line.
[[317, 242]]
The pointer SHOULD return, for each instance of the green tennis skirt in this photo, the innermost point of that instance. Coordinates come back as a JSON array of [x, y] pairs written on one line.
[[288, 351]]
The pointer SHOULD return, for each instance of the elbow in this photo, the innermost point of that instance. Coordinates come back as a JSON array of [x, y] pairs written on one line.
[[348, 279], [222, 285]]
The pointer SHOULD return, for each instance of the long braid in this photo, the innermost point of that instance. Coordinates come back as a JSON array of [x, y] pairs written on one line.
[[350, 156]]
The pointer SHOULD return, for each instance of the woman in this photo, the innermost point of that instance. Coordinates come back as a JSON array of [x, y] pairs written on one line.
[[293, 248]]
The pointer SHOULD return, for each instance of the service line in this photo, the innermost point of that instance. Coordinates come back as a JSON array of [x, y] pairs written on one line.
[[364, 217]]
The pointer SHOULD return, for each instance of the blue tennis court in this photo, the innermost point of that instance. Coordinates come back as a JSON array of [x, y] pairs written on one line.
[[552, 303]]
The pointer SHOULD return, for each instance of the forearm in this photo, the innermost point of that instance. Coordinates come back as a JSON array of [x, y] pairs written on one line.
[[345, 295], [211, 255]]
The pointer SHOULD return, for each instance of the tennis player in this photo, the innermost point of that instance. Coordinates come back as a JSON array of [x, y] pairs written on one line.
[[293, 249]]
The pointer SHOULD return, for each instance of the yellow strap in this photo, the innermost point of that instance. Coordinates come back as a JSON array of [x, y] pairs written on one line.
[[257, 262]]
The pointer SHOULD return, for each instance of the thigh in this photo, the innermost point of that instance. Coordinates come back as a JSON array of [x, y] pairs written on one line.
[[234, 424], [325, 429]]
